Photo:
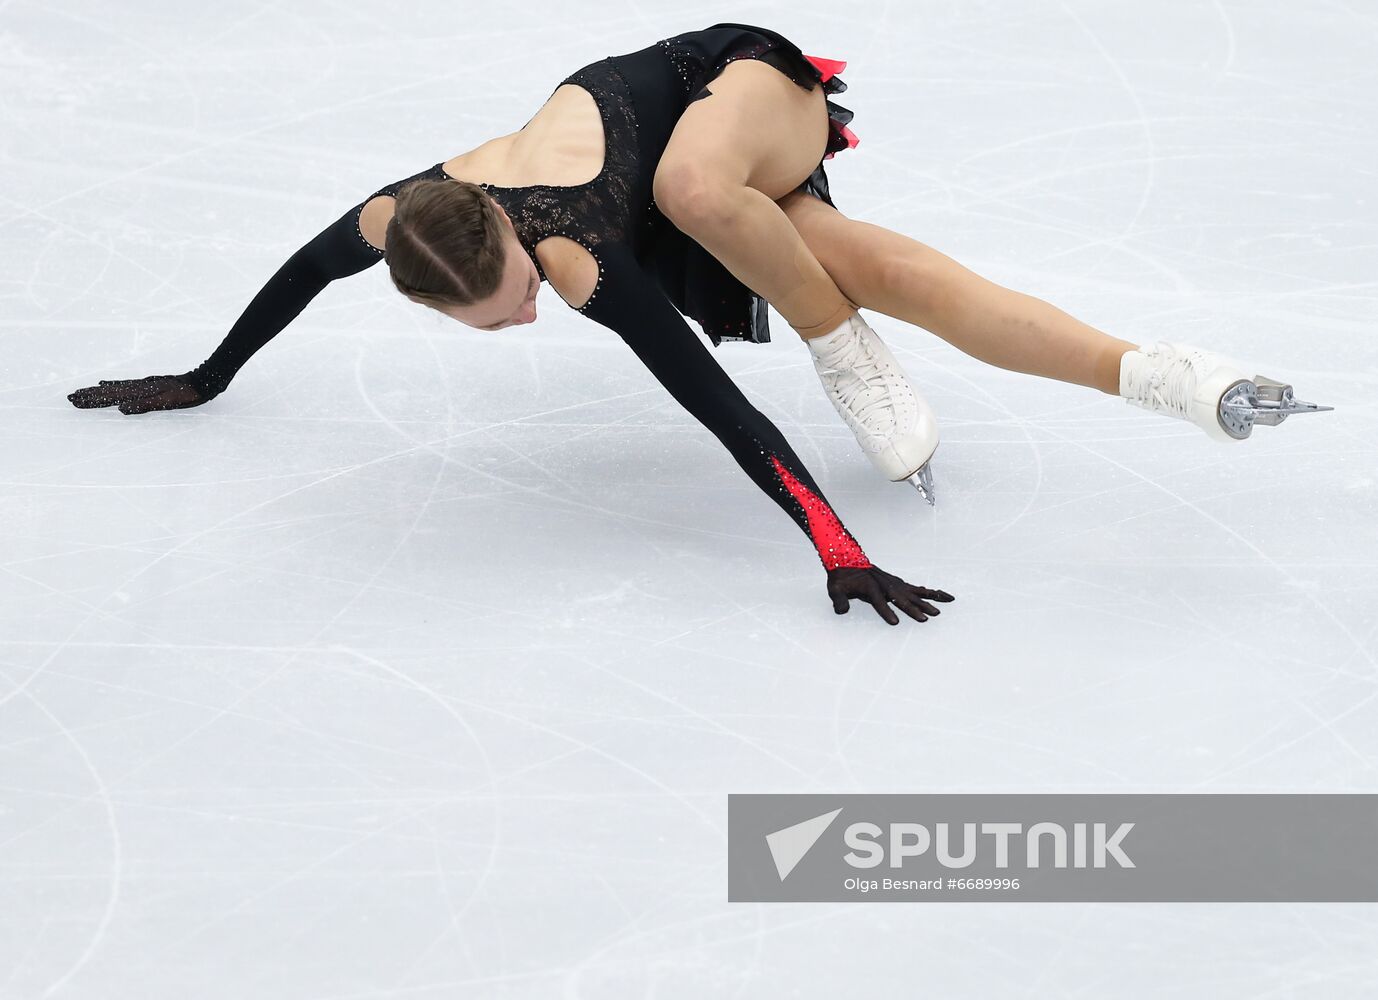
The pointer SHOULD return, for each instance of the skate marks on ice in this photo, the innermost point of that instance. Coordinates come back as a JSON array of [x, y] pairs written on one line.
[[420, 665]]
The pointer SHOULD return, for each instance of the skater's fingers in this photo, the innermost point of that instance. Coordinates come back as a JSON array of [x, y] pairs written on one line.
[[109, 393], [840, 602], [911, 608], [877, 600], [88, 399], [897, 590], [935, 595], [94, 390], [97, 399]]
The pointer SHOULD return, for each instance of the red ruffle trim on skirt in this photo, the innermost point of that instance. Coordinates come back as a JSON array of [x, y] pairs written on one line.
[[841, 137]]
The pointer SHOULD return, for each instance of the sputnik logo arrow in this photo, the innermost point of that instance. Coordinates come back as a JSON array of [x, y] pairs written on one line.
[[788, 846]]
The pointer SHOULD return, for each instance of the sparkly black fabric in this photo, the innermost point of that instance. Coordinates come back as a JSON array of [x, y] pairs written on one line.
[[698, 56], [640, 97], [648, 323], [650, 273], [600, 210]]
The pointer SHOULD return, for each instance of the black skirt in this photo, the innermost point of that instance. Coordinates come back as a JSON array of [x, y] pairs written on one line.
[[663, 78]]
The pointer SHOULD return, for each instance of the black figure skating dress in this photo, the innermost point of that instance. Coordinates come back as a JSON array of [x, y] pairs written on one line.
[[651, 274]]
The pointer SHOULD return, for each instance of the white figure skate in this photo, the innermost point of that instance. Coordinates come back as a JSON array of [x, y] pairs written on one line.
[[1209, 390], [894, 425]]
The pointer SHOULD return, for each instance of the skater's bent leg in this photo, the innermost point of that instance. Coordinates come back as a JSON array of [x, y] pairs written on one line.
[[752, 237], [751, 136], [893, 274]]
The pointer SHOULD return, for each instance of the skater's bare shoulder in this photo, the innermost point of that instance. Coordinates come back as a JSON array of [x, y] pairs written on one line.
[[374, 219]]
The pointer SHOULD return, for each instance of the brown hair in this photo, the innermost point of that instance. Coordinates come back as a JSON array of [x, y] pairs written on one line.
[[445, 243]]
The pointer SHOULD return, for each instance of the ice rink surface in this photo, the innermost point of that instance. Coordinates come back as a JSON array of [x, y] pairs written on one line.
[[422, 661]]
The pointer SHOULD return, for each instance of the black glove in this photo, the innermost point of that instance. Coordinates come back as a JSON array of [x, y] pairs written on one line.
[[880, 589], [140, 395]]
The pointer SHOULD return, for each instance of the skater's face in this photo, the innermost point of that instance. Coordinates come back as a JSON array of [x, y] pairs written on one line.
[[514, 302]]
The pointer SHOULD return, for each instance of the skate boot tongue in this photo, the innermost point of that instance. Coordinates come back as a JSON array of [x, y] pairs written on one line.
[[1168, 383], [855, 378], [893, 424]]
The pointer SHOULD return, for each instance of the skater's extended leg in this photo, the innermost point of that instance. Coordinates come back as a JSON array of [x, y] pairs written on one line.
[[891, 273], [900, 277]]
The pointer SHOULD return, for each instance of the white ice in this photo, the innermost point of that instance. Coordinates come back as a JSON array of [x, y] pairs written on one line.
[[421, 663]]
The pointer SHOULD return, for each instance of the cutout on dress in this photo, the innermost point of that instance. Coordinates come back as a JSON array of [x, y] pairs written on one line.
[[570, 268], [374, 218]]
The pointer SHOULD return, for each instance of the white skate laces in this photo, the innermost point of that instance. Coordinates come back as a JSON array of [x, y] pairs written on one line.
[[893, 424], [1209, 390]]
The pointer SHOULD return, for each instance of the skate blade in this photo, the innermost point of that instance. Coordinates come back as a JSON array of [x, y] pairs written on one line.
[[923, 482], [1269, 405]]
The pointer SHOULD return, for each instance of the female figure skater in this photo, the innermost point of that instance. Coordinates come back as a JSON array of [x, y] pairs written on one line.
[[687, 178]]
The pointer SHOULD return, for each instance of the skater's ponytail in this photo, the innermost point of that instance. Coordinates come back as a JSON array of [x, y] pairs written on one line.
[[445, 243]]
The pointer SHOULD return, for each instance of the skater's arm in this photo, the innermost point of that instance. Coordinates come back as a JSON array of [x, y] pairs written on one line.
[[338, 251], [629, 303]]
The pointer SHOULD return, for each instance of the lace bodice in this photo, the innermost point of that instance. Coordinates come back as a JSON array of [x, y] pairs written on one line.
[[650, 274], [595, 212], [617, 207]]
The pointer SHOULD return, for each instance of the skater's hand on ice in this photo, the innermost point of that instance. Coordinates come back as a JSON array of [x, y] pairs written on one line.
[[881, 589], [140, 395]]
